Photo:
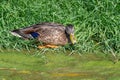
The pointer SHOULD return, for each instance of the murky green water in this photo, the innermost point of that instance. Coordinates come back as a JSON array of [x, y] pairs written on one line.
[[57, 66]]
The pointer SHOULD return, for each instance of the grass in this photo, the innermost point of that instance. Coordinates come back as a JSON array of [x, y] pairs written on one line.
[[49, 66], [96, 22], [97, 28]]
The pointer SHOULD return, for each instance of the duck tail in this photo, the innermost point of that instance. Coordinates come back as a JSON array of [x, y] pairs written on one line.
[[21, 34], [16, 33]]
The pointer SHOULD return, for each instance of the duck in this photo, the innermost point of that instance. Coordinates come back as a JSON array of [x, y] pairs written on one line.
[[51, 34]]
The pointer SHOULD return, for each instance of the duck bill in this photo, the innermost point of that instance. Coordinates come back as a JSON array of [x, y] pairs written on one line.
[[72, 39]]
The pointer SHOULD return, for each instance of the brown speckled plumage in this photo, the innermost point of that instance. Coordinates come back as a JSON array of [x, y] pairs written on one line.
[[53, 36], [49, 33]]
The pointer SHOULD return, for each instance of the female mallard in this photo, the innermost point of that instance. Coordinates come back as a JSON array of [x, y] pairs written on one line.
[[51, 34]]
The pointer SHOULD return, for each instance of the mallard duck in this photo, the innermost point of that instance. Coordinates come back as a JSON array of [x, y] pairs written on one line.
[[51, 34]]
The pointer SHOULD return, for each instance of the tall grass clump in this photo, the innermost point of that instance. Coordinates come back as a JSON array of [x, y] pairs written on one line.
[[97, 23]]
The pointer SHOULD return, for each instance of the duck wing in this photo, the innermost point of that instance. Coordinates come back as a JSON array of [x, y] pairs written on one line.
[[33, 31]]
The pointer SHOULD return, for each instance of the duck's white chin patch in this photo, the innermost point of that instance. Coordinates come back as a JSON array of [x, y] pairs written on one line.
[[15, 34]]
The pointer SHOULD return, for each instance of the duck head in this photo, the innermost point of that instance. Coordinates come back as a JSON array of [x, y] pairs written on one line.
[[70, 32]]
